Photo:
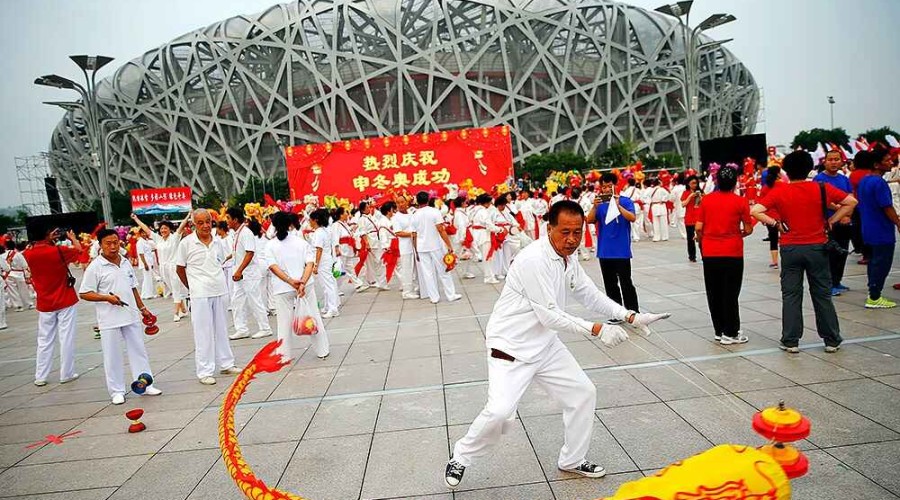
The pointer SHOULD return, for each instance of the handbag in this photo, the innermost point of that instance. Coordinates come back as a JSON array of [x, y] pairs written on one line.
[[831, 246]]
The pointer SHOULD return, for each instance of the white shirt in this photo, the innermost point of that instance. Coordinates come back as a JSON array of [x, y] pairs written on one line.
[[531, 307], [291, 256], [166, 247], [321, 238], [145, 248], [370, 229], [424, 224], [244, 242], [104, 277], [403, 222], [339, 230], [16, 261], [203, 266], [539, 207]]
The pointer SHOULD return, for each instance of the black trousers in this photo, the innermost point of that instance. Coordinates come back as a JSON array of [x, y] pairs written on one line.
[[691, 244], [841, 234], [723, 277], [617, 273], [856, 236]]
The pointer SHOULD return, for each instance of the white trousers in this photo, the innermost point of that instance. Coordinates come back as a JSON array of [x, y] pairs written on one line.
[[349, 265], [170, 277], [561, 377], [148, 287], [210, 335], [2, 305], [246, 294], [19, 295], [660, 227], [432, 269], [637, 227], [284, 315], [374, 268], [487, 265], [330, 299], [229, 284], [678, 223], [113, 364], [406, 270], [51, 325]]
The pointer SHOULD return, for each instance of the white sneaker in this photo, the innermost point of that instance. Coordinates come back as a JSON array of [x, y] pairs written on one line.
[[410, 295], [385, 288], [230, 371], [40, 383], [177, 318], [323, 356], [435, 301], [208, 381], [239, 335], [340, 294], [454, 298], [740, 339], [468, 276], [118, 399], [362, 287], [492, 281], [182, 315], [152, 391], [330, 314], [73, 378], [261, 334]]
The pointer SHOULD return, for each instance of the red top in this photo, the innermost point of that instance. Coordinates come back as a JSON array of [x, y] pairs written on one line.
[[690, 211], [856, 176], [48, 275], [800, 206], [721, 215]]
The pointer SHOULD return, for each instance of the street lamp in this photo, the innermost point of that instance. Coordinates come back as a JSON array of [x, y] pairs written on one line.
[[125, 129], [831, 102], [91, 111], [693, 47]]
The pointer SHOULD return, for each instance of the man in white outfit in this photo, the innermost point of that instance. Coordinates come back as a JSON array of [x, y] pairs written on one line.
[[247, 277], [678, 213], [659, 198], [402, 223], [16, 278], [431, 243], [634, 194], [146, 252], [56, 303], [109, 281], [369, 231], [198, 263], [524, 346], [483, 229]]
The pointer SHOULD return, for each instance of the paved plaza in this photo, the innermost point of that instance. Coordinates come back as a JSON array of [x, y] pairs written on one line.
[[378, 417]]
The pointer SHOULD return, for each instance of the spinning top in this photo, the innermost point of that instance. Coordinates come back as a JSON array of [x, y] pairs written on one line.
[[305, 325], [150, 327], [139, 386], [135, 415], [784, 425], [450, 261]]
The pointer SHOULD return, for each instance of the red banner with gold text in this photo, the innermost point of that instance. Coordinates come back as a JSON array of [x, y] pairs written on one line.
[[422, 162]]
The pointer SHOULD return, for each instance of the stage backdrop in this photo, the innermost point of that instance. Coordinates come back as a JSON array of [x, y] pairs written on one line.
[[161, 200], [365, 167]]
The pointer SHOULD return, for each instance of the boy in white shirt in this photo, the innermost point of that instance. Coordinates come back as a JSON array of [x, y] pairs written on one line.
[[110, 282]]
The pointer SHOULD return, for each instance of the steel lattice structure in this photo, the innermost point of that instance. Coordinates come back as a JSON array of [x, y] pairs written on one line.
[[564, 74]]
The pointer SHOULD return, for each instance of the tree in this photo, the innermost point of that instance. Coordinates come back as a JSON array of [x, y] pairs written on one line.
[[618, 155], [277, 187], [120, 203], [669, 161], [878, 135], [810, 139], [7, 222], [211, 199], [538, 166]]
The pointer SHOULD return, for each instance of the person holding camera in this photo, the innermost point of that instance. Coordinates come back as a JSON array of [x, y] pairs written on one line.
[[690, 201], [54, 286]]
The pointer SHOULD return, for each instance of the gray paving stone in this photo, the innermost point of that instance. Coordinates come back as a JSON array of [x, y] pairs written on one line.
[[829, 479], [267, 461], [92, 494], [876, 461], [465, 403], [155, 421], [862, 360], [411, 411], [203, 432], [891, 380], [866, 397], [344, 417], [275, 424], [803, 368], [369, 352], [326, 469], [740, 375], [832, 424], [536, 491], [106, 446], [678, 381], [466, 367], [547, 435], [417, 372], [351, 379], [618, 388], [591, 489], [721, 419], [416, 347], [168, 475], [640, 429], [50, 413], [305, 383], [422, 464], [66, 476], [588, 354], [30, 433], [512, 461]]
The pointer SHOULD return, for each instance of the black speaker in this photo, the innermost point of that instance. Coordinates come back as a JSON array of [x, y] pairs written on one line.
[[734, 150], [80, 222], [52, 195]]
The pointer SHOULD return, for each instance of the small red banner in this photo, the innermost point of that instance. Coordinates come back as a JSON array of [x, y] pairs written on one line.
[[161, 200], [422, 162]]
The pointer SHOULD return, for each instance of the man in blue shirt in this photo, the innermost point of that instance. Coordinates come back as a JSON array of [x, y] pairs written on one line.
[[879, 221], [614, 241], [841, 232]]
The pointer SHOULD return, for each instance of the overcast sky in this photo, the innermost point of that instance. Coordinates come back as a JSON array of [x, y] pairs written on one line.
[[799, 51]]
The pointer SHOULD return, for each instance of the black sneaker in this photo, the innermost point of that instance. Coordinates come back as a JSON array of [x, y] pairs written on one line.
[[587, 469], [454, 474]]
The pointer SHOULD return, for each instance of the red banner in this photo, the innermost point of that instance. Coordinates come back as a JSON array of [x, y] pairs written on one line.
[[423, 162], [161, 200]]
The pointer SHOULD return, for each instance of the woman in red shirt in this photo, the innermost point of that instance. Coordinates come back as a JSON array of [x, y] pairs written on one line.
[[771, 182], [723, 220], [690, 200]]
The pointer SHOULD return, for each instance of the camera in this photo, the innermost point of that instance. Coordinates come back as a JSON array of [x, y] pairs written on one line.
[[70, 281], [605, 197]]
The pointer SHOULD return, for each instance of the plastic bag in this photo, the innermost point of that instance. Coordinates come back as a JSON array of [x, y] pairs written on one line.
[[304, 321]]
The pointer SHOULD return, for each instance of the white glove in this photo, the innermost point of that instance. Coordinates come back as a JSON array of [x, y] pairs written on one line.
[[612, 335], [642, 321]]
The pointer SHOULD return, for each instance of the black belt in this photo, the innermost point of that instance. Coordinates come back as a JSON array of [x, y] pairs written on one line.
[[496, 353]]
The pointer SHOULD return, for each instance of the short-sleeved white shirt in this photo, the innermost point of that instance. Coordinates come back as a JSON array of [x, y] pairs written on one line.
[[145, 247], [321, 238], [403, 222], [166, 247], [424, 224], [102, 276], [203, 266], [291, 256], [245, 241]]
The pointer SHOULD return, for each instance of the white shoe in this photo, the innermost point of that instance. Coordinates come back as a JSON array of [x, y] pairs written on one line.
[[340, 294], [177, 318], [239, 335], [40, 383], [362, 287], [330, 314], [73, 378], [740, 339], [323, 356], [385, 288], [468, 276], [230, 371], [435, 301], [182, 315], [208, 381], [261, 334], [152, 391], [454, 298], [492, 281], [410, 295], [118, 399], [501, 277]]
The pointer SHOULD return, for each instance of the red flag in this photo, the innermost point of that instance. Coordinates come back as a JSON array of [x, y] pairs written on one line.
[[270, 202], [390, 258]]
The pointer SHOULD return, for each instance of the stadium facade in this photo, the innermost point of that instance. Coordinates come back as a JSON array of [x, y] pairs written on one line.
[[563, 74]]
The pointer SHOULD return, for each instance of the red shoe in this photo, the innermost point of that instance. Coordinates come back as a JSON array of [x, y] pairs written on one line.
[[896, 286]]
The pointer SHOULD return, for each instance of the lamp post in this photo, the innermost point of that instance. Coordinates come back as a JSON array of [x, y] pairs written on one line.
[[89, 66], [692, 49], [131, 127], [831, 103]]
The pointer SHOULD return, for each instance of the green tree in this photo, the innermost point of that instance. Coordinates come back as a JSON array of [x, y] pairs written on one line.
[[878, 135], [211, 199], [120, 203], [810, 139], [7, 222], [538, 166], [672, 162], [618, 155], [277, 187]]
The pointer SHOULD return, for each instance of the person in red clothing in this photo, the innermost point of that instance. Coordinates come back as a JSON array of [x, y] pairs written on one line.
[[772, 181], [723, 220], [690, 200], [803, 238], [56, 299], [861, 169]]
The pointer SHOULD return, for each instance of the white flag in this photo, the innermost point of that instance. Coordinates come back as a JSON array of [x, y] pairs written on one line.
[[612, 212]]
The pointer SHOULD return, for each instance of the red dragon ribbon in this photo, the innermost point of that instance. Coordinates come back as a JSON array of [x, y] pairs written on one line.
[[390, 257]]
